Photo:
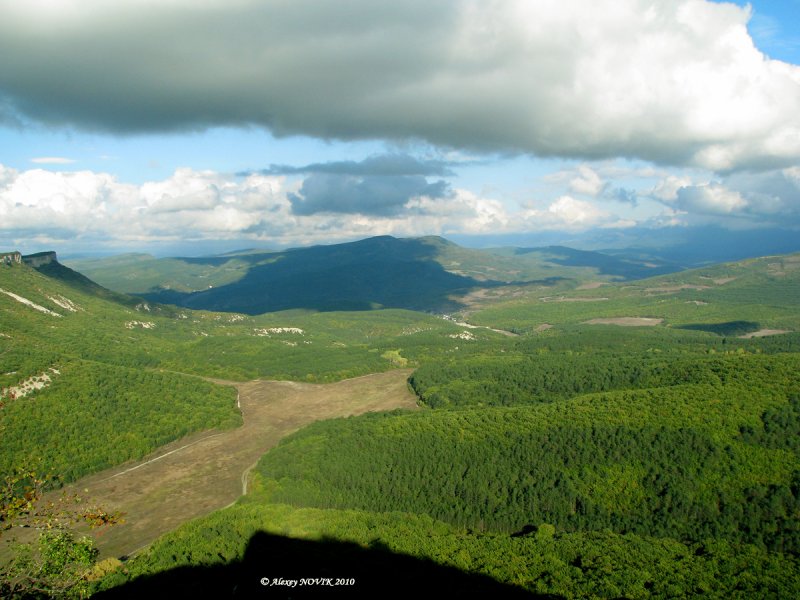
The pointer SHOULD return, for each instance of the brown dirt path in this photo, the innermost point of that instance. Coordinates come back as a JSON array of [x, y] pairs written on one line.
[[204, 472]]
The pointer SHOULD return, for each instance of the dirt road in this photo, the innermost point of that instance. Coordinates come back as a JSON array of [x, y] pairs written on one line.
[[204, 472]]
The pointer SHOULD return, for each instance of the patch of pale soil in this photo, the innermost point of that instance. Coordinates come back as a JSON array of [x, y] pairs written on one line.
[[543, 327], [567, 299], [470, 326], [627, 321], [676, 288], [477, 298], [64, 303], [724, 280], [478, 294], [763, 333], [27, 302], [697, 302], [266, 332], [31, 384], [141, 324], [592, 285], [464, 335], [206, 471]]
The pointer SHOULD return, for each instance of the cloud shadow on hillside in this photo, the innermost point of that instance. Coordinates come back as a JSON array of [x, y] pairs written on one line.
[[376, 572], [381, 272]]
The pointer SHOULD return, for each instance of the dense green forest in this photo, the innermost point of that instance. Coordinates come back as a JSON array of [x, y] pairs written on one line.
[[121, 388], [210, 555], [544, 370], [691, 460], [92, 416], [678, 476]]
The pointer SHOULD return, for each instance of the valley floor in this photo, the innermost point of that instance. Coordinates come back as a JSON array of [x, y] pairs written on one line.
[[207, 471]]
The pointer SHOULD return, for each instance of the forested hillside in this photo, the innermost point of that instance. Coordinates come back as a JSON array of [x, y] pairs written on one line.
[[632, 439], [74, 398], [546, 369], [712, 457], [90, 378], [224, 554], [677, 476]]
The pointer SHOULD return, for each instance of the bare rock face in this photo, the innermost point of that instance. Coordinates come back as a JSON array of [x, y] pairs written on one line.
[[10, 258], [39, 259]]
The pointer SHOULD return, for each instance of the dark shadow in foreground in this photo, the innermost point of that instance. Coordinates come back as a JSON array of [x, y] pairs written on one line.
[[326, 569]]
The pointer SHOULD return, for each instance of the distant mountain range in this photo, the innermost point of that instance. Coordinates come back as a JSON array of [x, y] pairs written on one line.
[[428, 274], [690, 246]]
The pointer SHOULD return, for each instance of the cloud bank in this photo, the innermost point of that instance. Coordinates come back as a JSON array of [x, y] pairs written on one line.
[[383, 194], [677, 83], [765, 197], [88, 207]]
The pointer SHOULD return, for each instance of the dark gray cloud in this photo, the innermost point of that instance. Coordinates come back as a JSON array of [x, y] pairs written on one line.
[[769, 186], [768, 197], [383, 196], [580, 78], [379, 165], [8, 115]]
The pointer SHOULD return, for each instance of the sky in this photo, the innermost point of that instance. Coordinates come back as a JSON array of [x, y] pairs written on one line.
[[220, 124]]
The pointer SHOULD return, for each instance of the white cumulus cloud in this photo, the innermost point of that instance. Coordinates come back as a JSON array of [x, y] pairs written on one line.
[[586, 182], [710, 198], [206, 205], [574, 212]]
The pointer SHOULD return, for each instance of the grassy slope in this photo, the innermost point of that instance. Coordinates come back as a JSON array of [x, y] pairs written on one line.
[[331, 346], [139, 273]]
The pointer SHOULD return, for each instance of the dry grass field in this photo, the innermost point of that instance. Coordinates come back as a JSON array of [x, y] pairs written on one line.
[[207, 471]]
